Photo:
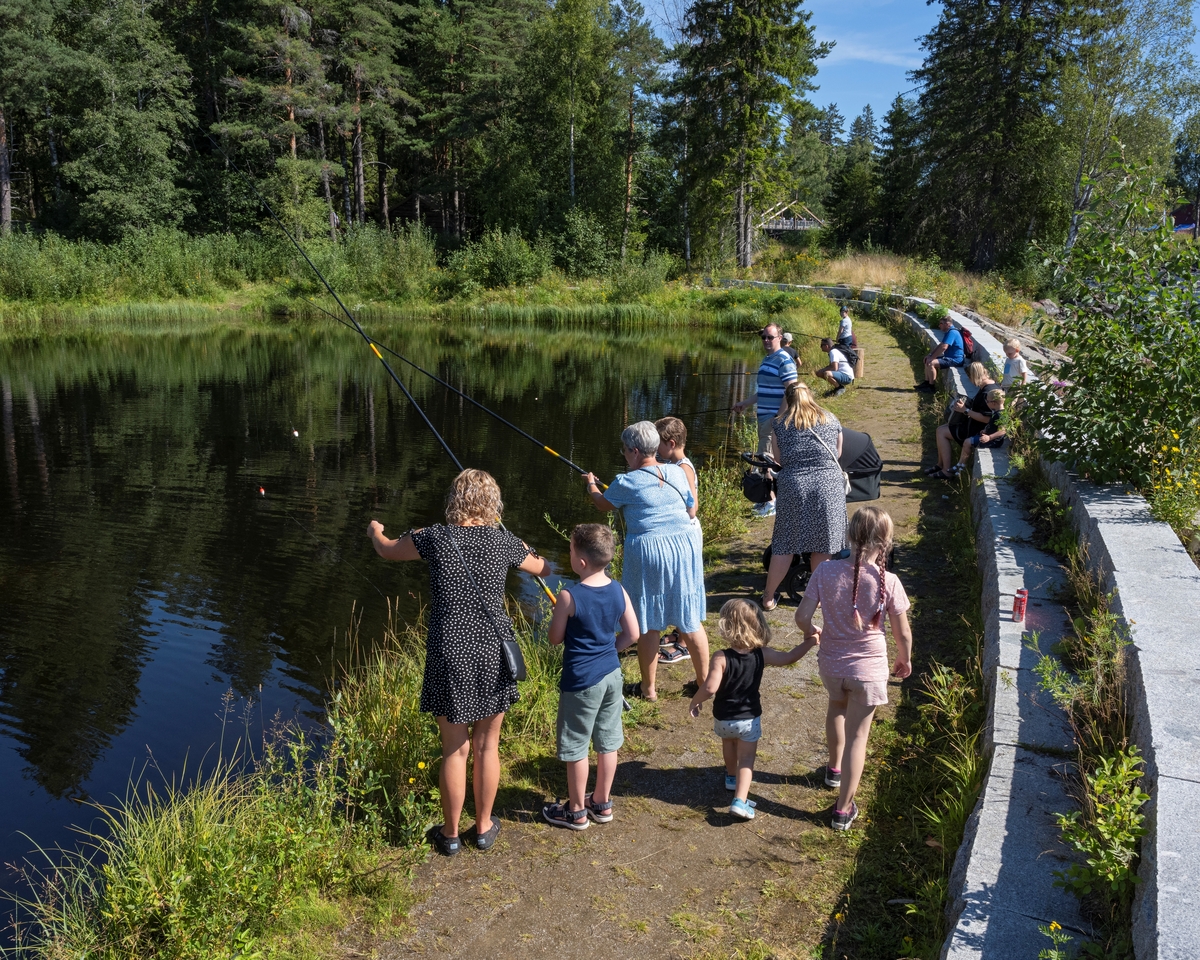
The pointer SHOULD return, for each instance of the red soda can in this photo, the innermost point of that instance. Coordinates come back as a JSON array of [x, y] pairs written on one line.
[[1019, 603]]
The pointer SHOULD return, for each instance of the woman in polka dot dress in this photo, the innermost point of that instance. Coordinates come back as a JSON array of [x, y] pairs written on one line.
[[467, 685]]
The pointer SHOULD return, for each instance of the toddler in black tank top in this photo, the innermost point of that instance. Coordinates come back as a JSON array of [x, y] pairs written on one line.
[[733, 684]]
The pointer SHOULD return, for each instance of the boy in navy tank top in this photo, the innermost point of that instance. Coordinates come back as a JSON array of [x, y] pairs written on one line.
[[585, 622]]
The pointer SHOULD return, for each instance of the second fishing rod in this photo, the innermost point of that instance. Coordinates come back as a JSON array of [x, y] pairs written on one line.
[[361, 332]]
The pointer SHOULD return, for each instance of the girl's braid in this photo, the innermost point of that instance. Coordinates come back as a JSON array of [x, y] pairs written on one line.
[[877, 620], [858, 622]]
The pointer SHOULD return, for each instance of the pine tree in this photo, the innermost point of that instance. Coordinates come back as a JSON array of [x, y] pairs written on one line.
[[988, 131], [830, 125], [863, 130], [131, 102], [638, 56], [364, 59], [899, 175], [747, 66]]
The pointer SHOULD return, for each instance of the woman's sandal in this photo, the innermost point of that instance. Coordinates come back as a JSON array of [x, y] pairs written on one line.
[[446, 846], [930, 471], [636, 691], [772, 604], [484, 841], [941, 475]]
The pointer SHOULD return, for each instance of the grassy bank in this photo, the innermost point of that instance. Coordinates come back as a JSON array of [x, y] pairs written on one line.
[[160, 277], [278, 854]]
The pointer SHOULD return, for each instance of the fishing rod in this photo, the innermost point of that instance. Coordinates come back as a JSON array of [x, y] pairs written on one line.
[[361, 332], [434, 377]]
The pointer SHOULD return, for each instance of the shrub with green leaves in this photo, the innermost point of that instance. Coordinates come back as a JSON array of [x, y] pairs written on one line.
[[583, 249], [499, 259], [1130, 327]]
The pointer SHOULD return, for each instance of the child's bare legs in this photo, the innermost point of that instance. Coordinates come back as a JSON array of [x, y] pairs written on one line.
[[697, 645], [739, 762], [648, 661], [835, 732], [577, 777], [965, 458], [857, 729], [606, 772]]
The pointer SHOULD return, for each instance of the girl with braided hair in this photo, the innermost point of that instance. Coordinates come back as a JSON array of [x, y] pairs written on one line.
[[854, 595]]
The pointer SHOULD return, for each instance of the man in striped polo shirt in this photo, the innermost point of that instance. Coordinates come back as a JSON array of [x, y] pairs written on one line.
[[775, 372]]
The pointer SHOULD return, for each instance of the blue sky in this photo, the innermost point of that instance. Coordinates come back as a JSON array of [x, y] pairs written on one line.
[[877, 43]]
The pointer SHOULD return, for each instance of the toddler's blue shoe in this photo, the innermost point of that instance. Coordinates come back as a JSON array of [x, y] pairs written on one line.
[[742, 808], [730, 782]]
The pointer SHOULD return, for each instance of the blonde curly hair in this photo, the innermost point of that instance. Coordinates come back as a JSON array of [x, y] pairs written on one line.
[[744, 625], [474, 495]]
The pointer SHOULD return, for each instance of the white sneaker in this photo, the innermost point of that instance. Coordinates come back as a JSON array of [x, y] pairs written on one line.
[[765, 509]]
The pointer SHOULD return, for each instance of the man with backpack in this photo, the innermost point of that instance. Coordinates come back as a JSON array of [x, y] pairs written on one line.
[[951, 352]]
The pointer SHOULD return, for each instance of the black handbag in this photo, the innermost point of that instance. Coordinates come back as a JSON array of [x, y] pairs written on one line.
[[509, 647], [757, 487]]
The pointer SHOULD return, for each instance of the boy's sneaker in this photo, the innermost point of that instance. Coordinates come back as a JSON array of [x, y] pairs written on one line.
[[833, 778], [742, 808], [926, 387], [843, 818], [764, 510], [730, 782], [600, 812], [957, 469], [560, 815]]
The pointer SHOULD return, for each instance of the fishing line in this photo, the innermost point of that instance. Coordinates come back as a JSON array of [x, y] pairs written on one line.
[[362, 333], [337, 556], [434, 377]]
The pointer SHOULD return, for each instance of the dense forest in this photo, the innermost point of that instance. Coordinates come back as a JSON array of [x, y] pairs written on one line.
[[581, 124]]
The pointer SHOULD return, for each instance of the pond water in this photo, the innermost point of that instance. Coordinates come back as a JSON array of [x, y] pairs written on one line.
[[182, 517]]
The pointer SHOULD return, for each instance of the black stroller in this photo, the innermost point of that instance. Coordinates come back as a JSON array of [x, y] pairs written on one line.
[[859, 459]]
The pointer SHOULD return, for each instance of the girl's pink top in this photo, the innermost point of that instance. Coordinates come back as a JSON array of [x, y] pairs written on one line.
[[846, 651]]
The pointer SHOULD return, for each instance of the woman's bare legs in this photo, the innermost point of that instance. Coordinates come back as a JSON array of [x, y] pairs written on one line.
[[648, 661], [943, 446], [485, 742], [780, 564], [697, 645], [457, 742], [456, 747]]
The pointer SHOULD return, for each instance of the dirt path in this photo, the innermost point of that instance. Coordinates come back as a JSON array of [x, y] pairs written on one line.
[[674, 875]]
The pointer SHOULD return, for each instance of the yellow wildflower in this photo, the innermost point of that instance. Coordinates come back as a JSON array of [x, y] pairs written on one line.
[[1055, 926], [421, 765]]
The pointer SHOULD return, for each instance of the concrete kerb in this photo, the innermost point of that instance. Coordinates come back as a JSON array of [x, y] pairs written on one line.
[[998, 891], [1157, 596]]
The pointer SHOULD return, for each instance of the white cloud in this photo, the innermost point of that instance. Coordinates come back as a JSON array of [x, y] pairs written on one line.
[[874, 49]]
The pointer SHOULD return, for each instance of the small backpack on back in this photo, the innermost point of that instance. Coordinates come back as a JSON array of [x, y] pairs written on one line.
[[846, 345], [968, 345]]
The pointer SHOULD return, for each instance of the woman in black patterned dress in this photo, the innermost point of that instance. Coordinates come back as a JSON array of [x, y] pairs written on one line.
[[467, 685], [810, 515]]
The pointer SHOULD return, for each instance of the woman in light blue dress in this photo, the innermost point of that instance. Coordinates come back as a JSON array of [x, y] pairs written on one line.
[[663, 561]]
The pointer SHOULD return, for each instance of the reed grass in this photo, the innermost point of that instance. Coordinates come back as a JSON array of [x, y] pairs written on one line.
[[261, 855]]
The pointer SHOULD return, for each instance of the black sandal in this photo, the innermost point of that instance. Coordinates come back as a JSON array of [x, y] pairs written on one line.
[[446, 846], [484, 841], [636, 691]]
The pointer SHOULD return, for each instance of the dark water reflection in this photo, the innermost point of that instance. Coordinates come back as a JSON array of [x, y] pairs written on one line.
[[143, 573]]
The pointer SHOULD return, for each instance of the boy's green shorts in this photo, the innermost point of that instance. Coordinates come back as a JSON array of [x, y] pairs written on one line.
[[592, 714]]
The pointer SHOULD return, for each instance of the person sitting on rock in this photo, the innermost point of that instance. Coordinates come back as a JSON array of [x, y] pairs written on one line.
[[949, 353]]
